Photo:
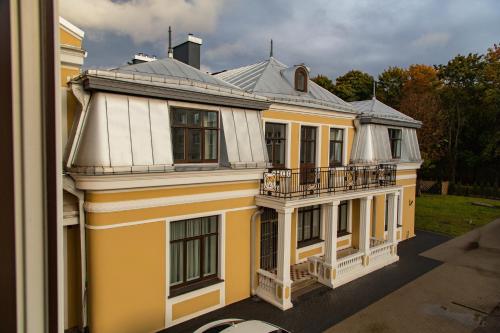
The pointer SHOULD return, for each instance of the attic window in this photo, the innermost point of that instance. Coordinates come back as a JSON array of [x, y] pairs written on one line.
[[301, 79]]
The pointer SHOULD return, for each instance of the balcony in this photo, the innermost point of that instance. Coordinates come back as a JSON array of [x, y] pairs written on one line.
[[308, 182]]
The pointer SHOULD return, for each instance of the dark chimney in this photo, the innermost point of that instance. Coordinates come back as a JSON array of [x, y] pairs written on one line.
[[189, 51]]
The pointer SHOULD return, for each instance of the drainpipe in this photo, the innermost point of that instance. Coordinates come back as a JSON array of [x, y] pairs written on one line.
[[253, 229], [71, 188]]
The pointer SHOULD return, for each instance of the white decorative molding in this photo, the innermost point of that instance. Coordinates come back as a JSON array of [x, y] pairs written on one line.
[[107, 207], [162, 219], [128, 181], [71, 28]]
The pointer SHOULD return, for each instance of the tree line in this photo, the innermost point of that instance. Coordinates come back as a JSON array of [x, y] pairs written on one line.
[[458, 103]]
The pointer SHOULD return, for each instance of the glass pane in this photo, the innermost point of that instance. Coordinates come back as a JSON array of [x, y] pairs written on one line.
[[180, 117], [176, 261], [299, 227], [177, 230], [311, 152], [338, 152], [269, 145], [192, 259], [398, 148], [194, 117], [280, 153], [210, 255], [307, 225], [343, 217], [193, 227], [316, 222], [210, 119], [213, 224], [194, 153], [210, 144], [178, 143], [269, 130]]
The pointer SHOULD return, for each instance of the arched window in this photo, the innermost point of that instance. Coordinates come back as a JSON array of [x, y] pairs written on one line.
[[301, 79]]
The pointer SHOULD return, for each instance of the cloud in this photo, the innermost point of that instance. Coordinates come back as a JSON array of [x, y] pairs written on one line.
[[431, 40], [142, 20]]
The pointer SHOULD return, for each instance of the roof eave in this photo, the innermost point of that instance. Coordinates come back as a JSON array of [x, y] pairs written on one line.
[[389, 122], [141, 88]]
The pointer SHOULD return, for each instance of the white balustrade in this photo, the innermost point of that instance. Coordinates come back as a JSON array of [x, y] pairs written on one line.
[[267, 284], [349, 264], [380, 252]]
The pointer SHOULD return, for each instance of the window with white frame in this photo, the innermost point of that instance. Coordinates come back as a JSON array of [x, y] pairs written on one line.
[[343, 219], [193, 251], [336, 146], [395, 137], [309, 225]]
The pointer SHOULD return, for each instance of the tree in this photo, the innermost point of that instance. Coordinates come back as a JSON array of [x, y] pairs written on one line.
[[390, 86], [354, 86], [461, 96], [420, 100], [324, 82]]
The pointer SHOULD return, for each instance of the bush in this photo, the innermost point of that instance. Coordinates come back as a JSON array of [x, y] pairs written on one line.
[[484, 190]]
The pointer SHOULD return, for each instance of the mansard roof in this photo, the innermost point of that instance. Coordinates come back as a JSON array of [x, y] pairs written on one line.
[[275, 80]]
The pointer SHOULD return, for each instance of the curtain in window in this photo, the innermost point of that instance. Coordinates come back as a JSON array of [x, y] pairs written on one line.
[[176, 261]]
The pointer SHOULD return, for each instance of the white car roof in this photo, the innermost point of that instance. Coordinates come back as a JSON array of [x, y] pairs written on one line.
[[251, 326]]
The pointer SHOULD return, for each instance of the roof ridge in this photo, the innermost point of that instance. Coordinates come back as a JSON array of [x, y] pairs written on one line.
[[262, 73]]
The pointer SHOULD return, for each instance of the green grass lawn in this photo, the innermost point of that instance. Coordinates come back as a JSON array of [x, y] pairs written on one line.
[[453, 215]]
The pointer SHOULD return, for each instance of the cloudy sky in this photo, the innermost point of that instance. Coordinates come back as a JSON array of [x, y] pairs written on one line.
[[329, 36]]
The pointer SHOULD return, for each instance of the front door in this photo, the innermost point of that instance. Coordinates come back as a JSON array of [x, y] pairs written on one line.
[[307, 154]]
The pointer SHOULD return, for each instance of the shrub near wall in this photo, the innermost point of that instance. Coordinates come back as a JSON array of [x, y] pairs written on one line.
[[484, 190]]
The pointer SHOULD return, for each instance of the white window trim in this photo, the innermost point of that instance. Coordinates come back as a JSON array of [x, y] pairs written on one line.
[[288, 136], [169, 302], [345, 136], [318, 142]]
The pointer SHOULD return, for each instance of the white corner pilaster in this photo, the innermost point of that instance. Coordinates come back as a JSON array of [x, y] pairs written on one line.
[[392, 210], [283, 264], [331, 220], [364, 226]]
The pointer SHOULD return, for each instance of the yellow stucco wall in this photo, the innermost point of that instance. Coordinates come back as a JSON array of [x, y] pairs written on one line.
[[100, 219], [67, 74], [238, 255], [171, 191], [307, 118], [73, 271], [295, 146], [309, 253], [195, 304], [409, 203], [379, 211], [343, 243], [325, 146], [126, 270], [322, 122], [69, 39]]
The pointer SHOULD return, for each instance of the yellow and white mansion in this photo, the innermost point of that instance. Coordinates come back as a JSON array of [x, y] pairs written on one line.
[[185, 192]]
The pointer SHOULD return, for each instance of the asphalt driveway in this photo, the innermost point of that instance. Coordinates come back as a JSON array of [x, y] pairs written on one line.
[[461, 296], [322, 308]]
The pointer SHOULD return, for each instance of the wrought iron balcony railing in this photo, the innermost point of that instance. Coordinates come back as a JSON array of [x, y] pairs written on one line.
[[300, 183]]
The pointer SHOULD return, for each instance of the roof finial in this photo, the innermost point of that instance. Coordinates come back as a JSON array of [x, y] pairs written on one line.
[[170, 50], [271, 52], [374, 88]]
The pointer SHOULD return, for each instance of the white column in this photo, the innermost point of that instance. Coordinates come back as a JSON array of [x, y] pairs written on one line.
[[283, 264], [392, 210], [364, 225], [331, 210]]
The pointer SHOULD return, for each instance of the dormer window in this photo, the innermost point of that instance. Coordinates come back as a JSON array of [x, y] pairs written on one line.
[[301, 79], [395, 141]]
